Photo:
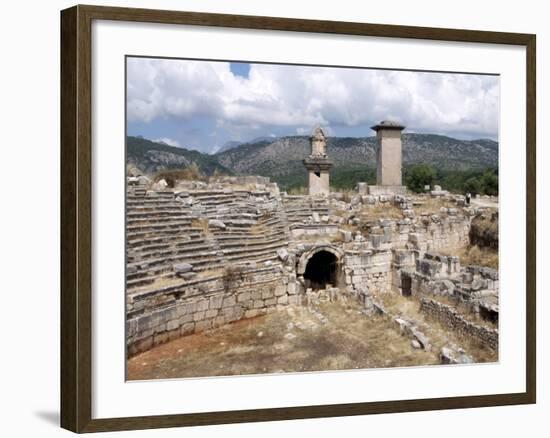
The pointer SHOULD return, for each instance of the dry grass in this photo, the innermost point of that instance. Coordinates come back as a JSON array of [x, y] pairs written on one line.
[[336, 238], [487, 222], [474, 255], [478, 351], [201, 224], [464, 311], [439, 335], [398, 304], [210, 273], [350, 340], [160, 282], [346, 195], [257, 229], [191, 173], [296, 191], [243, 187], [432, 205], [484, 230], [381, 211]]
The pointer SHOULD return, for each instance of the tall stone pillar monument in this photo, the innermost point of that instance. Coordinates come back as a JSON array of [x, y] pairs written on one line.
[[388, 159], [318, 164]]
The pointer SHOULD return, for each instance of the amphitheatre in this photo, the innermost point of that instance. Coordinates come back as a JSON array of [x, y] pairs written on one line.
[[233, 276]]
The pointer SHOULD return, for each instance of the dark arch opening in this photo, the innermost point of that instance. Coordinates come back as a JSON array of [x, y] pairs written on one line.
[[406, 284], [322, 269]]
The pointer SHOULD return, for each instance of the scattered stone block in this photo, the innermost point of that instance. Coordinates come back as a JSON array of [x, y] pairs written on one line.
[[161, 185], [346, 235], [215, 223], [362, 188], [282, 253], [182, 268], [453, 355]]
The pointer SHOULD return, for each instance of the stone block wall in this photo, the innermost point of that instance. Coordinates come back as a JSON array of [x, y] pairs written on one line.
[[253, 227], [156, 318], [423, 234], [436, 233], [457, 323], [369, 269]]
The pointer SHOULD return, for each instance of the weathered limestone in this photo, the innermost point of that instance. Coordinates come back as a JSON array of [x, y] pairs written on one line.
[[456, 322], [388, 159], [362, 188], [388, 154], [454, 355], [368, 268], [408, 328], [317, 164], [205, 254]]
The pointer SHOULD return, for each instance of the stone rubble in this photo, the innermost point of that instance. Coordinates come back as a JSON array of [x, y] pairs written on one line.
[[205, 254]]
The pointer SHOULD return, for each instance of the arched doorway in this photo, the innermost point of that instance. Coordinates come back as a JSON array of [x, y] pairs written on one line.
[[322, 269]]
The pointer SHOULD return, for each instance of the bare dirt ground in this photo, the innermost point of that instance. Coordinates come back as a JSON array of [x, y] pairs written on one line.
[[289, 340]]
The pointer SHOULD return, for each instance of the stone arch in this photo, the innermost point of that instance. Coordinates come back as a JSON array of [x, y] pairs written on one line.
[[321, 265]]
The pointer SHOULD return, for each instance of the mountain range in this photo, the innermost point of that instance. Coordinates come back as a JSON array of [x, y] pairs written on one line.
[[233, 144], [281, 158]]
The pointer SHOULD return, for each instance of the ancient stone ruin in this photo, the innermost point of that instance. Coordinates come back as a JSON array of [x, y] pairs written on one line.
[[202, 255], [388, 159], [317, 164]]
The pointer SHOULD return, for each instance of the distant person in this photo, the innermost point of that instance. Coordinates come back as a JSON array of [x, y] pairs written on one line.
[[468, 198]]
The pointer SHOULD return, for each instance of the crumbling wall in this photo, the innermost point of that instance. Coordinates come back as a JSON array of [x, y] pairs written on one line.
[[433, 274], [426, 233], [208, 228], [156, 317], [436, 233], [453, 320], [368, 270], [202, 256]]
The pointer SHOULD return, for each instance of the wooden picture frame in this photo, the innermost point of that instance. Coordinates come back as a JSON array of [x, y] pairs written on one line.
[[76, 217]]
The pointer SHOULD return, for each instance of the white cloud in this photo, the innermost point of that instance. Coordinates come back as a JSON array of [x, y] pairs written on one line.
[[301, 97], [168, 141]]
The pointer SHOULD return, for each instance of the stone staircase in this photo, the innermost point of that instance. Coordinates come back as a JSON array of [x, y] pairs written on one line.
[[300, 208], [169, 227]]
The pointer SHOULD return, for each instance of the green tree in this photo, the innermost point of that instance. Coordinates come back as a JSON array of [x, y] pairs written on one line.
[[489, 183], [473, 185], [419, 176]]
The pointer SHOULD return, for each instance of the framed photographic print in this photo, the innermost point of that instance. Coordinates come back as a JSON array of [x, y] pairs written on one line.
[[269, 218]]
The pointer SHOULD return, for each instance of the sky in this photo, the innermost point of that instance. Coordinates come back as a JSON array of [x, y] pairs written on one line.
[[205, 104]]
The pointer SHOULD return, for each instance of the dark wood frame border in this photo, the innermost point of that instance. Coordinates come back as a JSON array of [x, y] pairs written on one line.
[[76, 218]]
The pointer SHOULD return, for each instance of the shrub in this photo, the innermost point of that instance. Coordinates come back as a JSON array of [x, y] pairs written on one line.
[[489, 183], [473, 185], [419, 176], [172, 177], [232, 275]]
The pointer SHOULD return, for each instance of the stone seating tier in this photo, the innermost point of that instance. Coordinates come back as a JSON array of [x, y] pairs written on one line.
[[162, 231]]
